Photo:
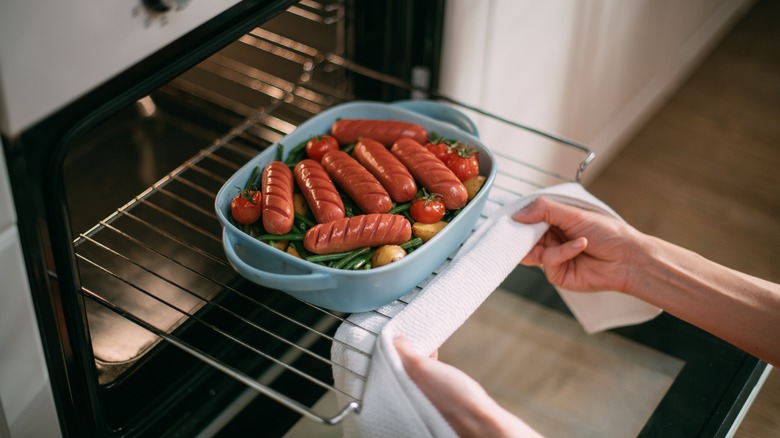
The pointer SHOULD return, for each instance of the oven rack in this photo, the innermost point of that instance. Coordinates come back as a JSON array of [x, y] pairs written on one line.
[[163, 247]]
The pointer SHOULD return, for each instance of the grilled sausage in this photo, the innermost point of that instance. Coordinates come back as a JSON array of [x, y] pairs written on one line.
[[390, 172], [277, 189], [319, 191], [357, 232], [357, 182], [387, 132], [431, 172]]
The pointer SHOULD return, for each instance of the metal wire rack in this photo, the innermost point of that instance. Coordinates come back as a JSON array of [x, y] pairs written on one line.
[[155, 268]]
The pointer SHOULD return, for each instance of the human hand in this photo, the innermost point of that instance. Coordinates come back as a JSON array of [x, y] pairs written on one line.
[[583, 250], [463, 403]]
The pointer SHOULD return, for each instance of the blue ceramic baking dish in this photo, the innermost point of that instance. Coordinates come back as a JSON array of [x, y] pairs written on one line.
[[343, 290]]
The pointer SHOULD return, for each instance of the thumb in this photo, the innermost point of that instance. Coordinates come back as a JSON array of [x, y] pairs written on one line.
[[555, 213]]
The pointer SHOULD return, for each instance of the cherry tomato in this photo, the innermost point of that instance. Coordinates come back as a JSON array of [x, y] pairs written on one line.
[[319, 145], [441, 150], [464, 162], [429, 209], [246, 206]]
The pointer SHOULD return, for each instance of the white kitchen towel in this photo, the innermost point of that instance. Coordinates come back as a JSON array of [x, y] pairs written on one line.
[[391, 404]]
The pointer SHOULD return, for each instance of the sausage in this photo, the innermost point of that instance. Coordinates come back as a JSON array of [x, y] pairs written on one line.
[[357, 182], [387, 132], [357, 232], [386, 168], [319, 191], [431, 172], [277, 189]]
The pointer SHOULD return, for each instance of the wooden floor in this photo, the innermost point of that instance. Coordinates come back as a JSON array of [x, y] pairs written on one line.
[[705, 171]]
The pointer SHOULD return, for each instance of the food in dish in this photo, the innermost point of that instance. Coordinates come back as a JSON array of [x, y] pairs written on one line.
[[359, 197]]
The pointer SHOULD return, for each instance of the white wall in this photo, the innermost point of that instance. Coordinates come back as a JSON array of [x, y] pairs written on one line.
[[590, 70]]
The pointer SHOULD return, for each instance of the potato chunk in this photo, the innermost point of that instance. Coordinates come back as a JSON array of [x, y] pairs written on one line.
[[427, 231], [386, 254], [473, 185], [300, 206]]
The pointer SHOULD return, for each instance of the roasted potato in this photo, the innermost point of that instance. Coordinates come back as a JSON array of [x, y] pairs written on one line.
[[473, 185], [386, 254], [300, 206], [293, 252], [427, 231], [281, 244]]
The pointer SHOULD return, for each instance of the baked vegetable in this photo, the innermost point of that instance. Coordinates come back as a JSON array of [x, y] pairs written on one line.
[[319, 145], [386, 254], [473, 185], [246, 207], [426, 231], [428, 209], [463, 162]]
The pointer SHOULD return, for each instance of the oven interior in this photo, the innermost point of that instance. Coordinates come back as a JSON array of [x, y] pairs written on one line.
[[168, 318]]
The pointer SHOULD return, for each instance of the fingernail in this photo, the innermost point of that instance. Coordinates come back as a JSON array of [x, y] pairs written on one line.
[[579, 243]]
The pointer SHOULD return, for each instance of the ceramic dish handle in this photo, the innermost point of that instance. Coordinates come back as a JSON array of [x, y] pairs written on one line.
[[291, 282], [441, 112]]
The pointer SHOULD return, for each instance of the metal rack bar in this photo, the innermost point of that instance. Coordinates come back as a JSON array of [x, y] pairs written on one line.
[[250, 382]]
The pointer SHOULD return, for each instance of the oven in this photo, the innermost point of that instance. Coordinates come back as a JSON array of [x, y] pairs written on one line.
[[121, 122]]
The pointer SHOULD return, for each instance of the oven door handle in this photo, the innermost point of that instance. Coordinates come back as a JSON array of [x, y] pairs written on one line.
[[439, 111], [287, 282]]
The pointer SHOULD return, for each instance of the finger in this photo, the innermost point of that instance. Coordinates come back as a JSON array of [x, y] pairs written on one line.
[[409, 357], [416, 365], [534, 256], [529, 214], [554, 213], [560, 254]]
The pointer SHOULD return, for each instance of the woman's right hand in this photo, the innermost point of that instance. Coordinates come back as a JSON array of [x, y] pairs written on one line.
[[582, 250]]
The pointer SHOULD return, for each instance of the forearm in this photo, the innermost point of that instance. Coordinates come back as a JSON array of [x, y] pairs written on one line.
[[740, 309]]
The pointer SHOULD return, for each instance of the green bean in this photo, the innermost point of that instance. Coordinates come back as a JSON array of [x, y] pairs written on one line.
[[331, 257], [346, 261], [279, 152], [411, 243], [360, 261], [400, 208], [302, 251], [255, 229], [308, 222], [350, 208], [250, 182], [296, 153], [450, 215], [279, 237], [348, 148]]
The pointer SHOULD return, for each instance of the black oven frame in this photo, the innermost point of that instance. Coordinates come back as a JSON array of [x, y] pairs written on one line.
[[693, 406]]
